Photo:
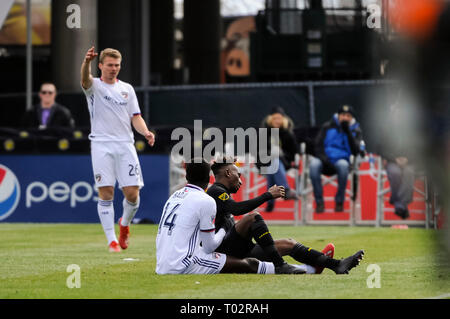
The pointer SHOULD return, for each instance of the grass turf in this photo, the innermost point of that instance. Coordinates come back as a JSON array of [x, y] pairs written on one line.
[[34, 260]]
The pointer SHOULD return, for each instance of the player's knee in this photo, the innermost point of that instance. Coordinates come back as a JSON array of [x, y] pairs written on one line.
[[131, 194], [285, 245], [288, 242], [258, 226], [133, 198], [251, 216], [257, 216], [106, 193], [254, 214]]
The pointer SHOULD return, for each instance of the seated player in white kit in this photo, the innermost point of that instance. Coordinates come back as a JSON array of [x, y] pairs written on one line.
[[113, 108], [186, 239]]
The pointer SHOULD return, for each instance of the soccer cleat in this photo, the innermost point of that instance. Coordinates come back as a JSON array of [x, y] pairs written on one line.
[[124, 235], [286, 269], [327, 251], [346, 264], [114, 247]]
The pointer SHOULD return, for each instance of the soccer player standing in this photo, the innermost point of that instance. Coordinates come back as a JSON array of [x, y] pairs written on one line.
[[113, 108]]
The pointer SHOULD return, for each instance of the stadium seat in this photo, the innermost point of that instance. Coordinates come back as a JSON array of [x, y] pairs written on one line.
[[329, 183], [420, 208]]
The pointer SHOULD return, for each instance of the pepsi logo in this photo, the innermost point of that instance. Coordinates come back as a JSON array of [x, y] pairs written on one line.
[[9, 192]]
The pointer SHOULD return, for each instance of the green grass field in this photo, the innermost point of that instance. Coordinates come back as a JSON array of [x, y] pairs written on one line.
[[34, 260]]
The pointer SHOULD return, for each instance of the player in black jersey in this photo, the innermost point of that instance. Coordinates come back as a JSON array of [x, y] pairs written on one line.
[[238, 239]]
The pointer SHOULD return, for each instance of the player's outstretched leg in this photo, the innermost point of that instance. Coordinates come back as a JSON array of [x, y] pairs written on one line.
[[285, 246], [322, 260], [247, 266], [288, 269], [346, 264], [254, 266], [327, 251]]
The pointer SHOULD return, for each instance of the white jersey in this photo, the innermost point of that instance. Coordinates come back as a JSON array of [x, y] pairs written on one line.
[[111, 107], [187, 212]]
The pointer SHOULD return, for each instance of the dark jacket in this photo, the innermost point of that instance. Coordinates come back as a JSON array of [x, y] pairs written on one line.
[[335, 142], [60, 116], [287, 143]]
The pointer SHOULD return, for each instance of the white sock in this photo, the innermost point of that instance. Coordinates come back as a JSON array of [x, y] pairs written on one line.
[[129, 210], [309, 269], [105, 209], [266, 268]]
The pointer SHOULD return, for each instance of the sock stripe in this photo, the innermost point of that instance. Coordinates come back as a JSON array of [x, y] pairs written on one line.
[[132, 204], [105, 203], [262, 267]]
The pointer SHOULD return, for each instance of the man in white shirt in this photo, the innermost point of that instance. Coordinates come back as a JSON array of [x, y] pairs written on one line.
[[113, 108], [187, 240]]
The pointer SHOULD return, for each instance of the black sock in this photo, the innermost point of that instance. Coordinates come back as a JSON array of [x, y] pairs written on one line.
[[262, 236], [312, 257]]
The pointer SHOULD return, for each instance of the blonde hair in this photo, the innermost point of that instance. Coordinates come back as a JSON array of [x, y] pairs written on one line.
[[285, 124], [113, 53]]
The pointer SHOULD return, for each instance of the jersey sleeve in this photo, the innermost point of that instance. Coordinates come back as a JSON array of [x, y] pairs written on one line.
[[226, 204], [207, 216], [133, 108], [89, 92]]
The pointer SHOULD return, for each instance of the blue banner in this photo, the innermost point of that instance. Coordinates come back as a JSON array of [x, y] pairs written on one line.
[[61, 189]]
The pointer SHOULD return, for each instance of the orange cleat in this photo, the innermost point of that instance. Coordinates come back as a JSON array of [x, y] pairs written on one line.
[[124, 235], [328, 251], [114, 247]]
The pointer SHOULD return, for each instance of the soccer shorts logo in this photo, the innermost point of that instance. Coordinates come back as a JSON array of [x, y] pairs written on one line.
[[98, 178]]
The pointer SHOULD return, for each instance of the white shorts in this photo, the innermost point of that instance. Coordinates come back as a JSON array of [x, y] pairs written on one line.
[[113, 161], [203, 263]]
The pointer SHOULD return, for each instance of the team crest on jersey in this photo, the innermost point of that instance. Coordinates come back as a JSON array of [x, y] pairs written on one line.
[[124, 94], [224, 197], [98, 178], [216, 255]]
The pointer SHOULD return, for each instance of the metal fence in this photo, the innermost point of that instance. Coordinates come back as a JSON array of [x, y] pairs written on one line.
[[424, 212]]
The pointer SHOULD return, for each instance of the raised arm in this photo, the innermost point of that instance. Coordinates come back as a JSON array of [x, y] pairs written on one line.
[[227, 204], [86, 76]]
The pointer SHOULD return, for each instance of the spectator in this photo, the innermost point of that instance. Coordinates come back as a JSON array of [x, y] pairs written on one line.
[[337, 140], [288, 147], [48, 113], [396, 149]]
